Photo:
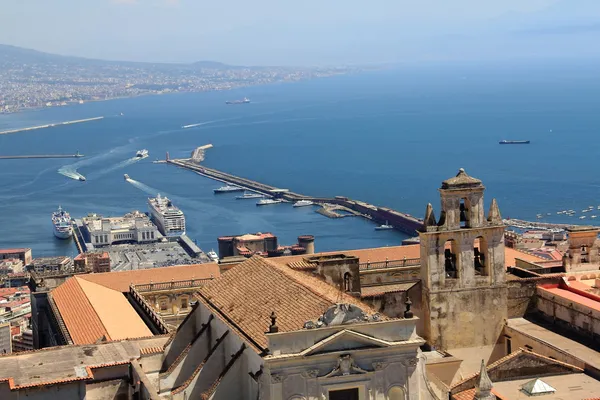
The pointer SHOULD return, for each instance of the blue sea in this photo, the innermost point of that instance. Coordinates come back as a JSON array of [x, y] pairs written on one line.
[[387, 137]]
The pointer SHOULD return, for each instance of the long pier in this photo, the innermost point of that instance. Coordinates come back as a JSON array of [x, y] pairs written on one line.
[[32, 128], [42, 156], [403, 222], [522, 224]]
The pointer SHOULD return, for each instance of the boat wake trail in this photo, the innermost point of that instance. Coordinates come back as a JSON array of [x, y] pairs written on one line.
[[121, 164], [143, 187], [70, 172]]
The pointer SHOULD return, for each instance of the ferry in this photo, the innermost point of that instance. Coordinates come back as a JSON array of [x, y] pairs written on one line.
[[228, 189], [168, 218], [126, 177], [245, 100], [384, 227], [141, 153], [249, 195], [213, 256], [303, 203], [61, 221], [514, 142], [265, 202]]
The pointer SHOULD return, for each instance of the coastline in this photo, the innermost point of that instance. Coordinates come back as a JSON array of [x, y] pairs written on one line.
[[160, 93]]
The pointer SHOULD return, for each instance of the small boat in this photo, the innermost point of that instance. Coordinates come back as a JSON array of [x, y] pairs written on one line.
[[142, 153], [249, 195], [583, 217], [303, 203], [81, 178], [593, 216], [126, 177], [228, 189], [384, 227], [265, 202], [213, 256]]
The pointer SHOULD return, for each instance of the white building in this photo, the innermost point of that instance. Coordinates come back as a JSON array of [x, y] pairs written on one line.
[[133, 227]]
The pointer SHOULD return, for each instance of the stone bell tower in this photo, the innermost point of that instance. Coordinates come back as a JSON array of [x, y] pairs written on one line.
[[462, 268]]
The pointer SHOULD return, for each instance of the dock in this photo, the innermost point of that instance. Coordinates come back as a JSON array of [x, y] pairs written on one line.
[[42, 156], [403, 222], [32, 128]]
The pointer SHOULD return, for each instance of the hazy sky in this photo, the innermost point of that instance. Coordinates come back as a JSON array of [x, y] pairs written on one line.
[[305, 32]]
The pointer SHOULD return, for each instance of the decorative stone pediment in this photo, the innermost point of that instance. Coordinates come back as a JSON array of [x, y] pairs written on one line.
[[345, 366], [341, 314], [343, 341]]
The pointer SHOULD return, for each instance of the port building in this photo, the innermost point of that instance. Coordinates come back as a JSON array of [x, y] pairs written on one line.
[[133, 227]]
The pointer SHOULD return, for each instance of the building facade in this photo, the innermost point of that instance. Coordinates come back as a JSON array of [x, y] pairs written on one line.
[[134, 227]]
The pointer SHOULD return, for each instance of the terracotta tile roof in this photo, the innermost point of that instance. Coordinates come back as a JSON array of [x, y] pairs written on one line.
[[92, 312], [392, 253], [470, 395], [372, 291], [77, 312], [376, 254], [121, 280], [250, 292], [10, 251], [511, 254], [151, 350]]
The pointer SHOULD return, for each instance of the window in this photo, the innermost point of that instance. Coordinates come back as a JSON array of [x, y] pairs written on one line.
[[396, 393], [450, 265], [347, 281], [184, 303], [508, 346], [464, 214], [480, 262], [344, 394], [528, 347]]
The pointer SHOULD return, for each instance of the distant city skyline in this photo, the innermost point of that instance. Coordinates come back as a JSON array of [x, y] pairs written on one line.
[[271, 32]]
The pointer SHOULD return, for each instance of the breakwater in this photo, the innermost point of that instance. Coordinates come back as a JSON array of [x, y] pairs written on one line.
[[403, 222], [42, 156], [32, 128]]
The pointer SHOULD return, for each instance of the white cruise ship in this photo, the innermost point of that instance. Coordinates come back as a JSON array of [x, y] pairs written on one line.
[[168, 217]]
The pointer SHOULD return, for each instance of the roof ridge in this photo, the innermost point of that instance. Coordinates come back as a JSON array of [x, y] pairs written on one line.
[[289, 272], [87, 298]]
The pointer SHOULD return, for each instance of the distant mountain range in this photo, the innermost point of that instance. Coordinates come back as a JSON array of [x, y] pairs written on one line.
[[22, 55]]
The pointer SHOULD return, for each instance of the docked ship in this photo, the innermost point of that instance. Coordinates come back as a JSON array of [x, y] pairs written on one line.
[[514, 142], [142, 153], [168, 218], [61, 221], [249, 195], [245, 100], [228, 189], [265, 202], [212, 255], [303, 203], [384, 227]]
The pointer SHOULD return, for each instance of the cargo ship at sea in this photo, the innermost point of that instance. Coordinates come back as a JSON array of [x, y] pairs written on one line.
[[61, 221], [245, 100], [168, 218], [514, 142]]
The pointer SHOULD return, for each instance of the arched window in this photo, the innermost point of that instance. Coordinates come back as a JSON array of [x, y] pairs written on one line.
[[347, 281], [396, 393], [480, 261], [450, 264]]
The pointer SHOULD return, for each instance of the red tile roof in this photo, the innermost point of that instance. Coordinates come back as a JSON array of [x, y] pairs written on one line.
[[248, 294], [11, 251], [77, 312], [121, 280], [574, 297]]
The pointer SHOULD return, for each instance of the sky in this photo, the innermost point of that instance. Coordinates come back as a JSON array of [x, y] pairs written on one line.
[[305, 32]]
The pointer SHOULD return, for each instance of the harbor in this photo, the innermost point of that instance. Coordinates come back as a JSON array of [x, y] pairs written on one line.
[[32, 128], [330, 207]]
